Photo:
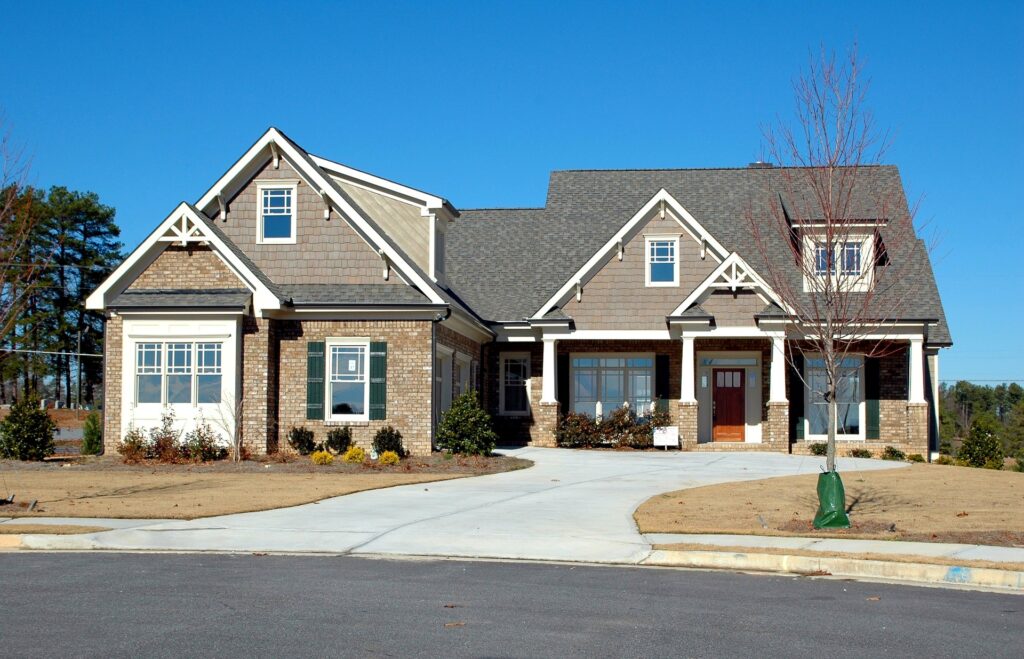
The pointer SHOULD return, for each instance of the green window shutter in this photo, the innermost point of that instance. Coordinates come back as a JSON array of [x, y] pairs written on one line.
[[872, 394], [316, 369], [796, 398], [378, 380]]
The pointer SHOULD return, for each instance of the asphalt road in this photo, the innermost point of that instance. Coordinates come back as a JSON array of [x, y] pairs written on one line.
[[140, 605]]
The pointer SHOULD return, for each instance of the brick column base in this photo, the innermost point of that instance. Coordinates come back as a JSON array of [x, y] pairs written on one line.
[[686, 418], [777, 426], [917, 428], [545, 420]]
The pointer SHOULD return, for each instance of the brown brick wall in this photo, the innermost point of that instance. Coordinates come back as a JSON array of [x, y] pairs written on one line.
[[259, 377], [617, 297], [732, 310], [776, 427], [189, 268], [112, 364], [325, 250], [409, 378], [687, 416], [513, 429]]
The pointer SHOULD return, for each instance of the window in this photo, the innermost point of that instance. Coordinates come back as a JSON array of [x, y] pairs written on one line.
[[662, 266], [847, 255], [277, 213], [178, 373], [515, 378], [849, 396], [614, 380], [348, 395]]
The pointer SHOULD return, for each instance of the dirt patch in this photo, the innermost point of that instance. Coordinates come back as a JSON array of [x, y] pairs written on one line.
[[893, 558], [105, 487], [49, 529], [928, 503]]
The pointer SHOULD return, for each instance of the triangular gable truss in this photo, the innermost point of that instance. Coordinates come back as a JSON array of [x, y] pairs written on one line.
[[662, 202], [732, 274], [183, 226]]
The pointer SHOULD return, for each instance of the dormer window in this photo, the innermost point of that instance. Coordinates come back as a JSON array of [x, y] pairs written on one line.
[[844, 261], [276, 204], [845, 255], [662, 260]]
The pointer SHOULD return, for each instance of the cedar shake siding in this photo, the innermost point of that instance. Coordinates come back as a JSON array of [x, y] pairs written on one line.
[[617, 297], [733, 309]]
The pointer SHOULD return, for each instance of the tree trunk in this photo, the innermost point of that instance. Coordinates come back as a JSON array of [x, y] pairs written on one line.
[[833, 417]]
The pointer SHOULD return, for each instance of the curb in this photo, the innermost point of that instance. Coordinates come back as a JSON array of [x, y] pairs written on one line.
[[12, 541], [856, 568]]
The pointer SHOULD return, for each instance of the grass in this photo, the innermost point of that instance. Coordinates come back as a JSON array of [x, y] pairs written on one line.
[[924, 502], [103, 487], [50, 529]]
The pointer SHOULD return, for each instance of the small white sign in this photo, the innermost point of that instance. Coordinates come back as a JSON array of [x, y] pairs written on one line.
[[667, 436]]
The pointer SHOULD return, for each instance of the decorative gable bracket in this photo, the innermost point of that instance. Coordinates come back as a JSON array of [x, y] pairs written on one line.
[[732, 274], [183, 231]]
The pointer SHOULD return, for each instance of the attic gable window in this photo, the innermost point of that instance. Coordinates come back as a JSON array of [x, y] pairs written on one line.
[[276, 204], [845, 255], [847, 262], [662, 260]]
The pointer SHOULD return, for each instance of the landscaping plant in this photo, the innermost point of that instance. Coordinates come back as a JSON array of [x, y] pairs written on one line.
[[819, 448], [338, 440], [92, 435], [133, 447], [915, 457], [860, 453], [466, 428], [163, 439], [575, 430], [388, 458], [27, 431], [388, 439], [322, 458], [982, 447], [893, 453], [301, 439], [354, 455], [202, 444]]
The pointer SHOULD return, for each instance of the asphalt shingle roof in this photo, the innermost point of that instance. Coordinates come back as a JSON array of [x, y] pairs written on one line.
[[222, 298], [352, 294]]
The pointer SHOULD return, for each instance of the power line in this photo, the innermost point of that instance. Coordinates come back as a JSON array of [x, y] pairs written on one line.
[[50, 352]]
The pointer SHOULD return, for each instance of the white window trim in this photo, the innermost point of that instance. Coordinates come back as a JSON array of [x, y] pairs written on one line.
[[165, 371], [648, 239], [328, 344], [862, 406], [505, 357], [289, 184], [465, 363], [613, 355], [857, 283]]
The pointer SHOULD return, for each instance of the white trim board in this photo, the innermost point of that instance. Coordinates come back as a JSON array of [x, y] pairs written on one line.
[[737, 273]]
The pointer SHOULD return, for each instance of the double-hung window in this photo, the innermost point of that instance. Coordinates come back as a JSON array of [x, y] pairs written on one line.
[[276, 204], [349, 390], [178, 373], [849, 396], [662, 261], [515, 378]]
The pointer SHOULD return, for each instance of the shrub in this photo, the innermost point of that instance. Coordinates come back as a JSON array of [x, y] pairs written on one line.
[[915, 457], [338, 440], [388, 458], [202, 444], [859, 453], [819, 448], [27, 431], [354, 455], [575, 430], [163, 439], [388, 439], [893, 453], [133, 447], [1019, 461], [945, 460], [982, 447], [466, 428], [322, 458], [92, 435], [301, 439]]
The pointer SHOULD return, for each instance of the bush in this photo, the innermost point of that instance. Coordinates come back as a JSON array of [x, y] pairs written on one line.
[[163, 439], [576, 430], [133, 447], [893, 453], [388, 458], [620, 428], [915, 457], [819, 448], [322, 458], [859, 453], [27, 432], [92, 434], [466, 428], [354, 455], [202, 444], [388, 439], [982, 447], [1019, 461], [945, 460], [301, 439], [338, 440]]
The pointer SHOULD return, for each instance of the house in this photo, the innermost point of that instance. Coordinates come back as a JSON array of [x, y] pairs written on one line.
[[297, 291]]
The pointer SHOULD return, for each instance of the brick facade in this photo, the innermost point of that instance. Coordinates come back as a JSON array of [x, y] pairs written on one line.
[[186, 268], [776, 427], [112, 364]]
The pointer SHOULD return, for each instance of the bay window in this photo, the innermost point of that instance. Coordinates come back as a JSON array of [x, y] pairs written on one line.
[[178, 373]]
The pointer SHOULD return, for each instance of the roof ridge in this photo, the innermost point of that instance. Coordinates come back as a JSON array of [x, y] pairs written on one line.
[[702, 169], [505, 208]]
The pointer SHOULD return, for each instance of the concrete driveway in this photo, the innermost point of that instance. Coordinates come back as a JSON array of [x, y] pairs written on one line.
[[572, 505]]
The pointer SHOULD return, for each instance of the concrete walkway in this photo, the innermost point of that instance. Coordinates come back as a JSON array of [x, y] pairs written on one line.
[[571, 505]]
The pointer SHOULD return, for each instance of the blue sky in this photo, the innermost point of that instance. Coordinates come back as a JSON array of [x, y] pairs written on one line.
[[148, 103]]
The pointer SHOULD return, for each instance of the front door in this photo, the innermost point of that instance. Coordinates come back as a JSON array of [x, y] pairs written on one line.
[[728, 405]]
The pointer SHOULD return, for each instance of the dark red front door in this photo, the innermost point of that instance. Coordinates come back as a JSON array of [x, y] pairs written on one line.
[[729, 405]]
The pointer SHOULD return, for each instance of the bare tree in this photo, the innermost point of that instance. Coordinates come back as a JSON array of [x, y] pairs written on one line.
[[229, 419], [839, 236]]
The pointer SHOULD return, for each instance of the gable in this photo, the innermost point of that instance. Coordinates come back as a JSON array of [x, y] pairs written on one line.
[[402, 221], [733, 309], [325, 250], [186, 268], [616, 297]]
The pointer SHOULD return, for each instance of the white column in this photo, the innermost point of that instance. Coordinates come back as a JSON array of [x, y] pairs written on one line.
[[917, 371], [548, 388], [778, 371], [686, 388]]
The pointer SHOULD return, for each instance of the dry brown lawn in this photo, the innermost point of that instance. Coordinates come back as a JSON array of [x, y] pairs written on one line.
[[931, 503], [102, 487], [49, 529]]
